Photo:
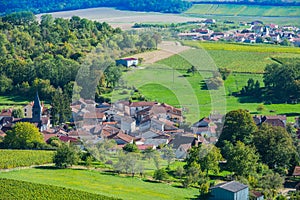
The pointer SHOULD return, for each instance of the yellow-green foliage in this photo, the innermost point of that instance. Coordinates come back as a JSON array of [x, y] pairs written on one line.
[[22, 158], [243, 47]]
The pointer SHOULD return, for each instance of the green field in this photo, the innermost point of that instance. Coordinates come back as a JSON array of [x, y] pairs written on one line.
[[243, 57], [14, 189], [23, 158], [245, 10], [13, 100], [98, 183], [168, 82]]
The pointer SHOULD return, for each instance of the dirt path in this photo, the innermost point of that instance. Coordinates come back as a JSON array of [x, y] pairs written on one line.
[[165, 50]]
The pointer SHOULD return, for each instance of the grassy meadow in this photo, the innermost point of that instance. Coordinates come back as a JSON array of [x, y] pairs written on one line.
[[167, 80], [98, 183]]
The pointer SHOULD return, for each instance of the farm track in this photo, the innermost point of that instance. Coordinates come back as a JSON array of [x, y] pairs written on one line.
[[165, 50]]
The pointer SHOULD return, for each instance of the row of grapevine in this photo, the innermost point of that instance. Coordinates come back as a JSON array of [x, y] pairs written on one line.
[[15, 189], [23, 158]]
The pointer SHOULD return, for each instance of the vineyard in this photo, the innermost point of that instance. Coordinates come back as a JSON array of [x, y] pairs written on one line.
[[244, 10], [243, 47], [23, 158], [14, 189]]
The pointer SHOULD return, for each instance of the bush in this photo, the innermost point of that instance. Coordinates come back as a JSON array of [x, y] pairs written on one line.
[[65, 156], [160, 174], [131, 148]]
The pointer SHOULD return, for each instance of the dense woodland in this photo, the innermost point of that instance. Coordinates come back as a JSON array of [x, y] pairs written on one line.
[[42, 6], [46, 56]]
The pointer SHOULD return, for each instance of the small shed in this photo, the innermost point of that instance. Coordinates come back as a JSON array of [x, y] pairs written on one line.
[[230, 191], [128, 62]]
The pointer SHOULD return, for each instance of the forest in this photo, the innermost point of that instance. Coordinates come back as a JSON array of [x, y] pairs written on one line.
[[46, 56], [43, 6]]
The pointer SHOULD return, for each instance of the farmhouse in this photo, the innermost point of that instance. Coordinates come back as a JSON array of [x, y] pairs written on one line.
[[128, 62], [279, 120]]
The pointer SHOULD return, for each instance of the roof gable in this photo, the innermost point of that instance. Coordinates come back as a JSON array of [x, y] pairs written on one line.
[[232, 186]]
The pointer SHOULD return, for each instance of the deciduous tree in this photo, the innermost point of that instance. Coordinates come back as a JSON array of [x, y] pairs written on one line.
[[24, 135]]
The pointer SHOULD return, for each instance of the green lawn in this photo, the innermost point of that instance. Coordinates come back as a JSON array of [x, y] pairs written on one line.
[[245, 10], [108, 185]]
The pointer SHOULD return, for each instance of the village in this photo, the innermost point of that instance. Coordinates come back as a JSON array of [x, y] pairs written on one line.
[[147, 124], [250, 32]]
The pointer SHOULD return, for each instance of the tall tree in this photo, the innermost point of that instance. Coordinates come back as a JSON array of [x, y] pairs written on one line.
[[241, 159], [283, 81], [210, 156], [60, 107], [238, 126], [275, 147]]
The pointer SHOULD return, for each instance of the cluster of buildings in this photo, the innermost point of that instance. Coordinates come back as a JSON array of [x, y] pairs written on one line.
[[256, 33], [147, 124]]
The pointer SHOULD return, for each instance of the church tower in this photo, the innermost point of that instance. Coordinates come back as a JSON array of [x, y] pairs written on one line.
[[36, 109]]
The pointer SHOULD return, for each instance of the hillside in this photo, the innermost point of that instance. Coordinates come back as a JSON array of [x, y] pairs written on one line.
[[245, 10]]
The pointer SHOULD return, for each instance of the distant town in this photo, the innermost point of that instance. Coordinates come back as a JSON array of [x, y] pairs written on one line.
[[254, 32]]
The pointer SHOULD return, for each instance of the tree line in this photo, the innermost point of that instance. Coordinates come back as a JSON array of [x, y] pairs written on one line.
[[43, 6], [281, 84]]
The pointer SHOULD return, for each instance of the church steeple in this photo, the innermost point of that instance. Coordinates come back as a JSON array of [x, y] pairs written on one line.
[[36, 109]]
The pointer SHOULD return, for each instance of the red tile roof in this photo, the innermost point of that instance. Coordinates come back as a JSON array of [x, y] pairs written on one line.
[[6, 112], [67, 139], [122, 136], [48, 136], [145, 146], [128, 59]]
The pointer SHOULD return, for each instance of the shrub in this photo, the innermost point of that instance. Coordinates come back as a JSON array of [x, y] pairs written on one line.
[[160, 174], [65, 156]]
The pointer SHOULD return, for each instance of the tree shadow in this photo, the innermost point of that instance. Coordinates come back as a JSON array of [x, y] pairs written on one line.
[[203, 85], [248, 99], [293, 114], [254, 113], [150, 181], [184, 76], [47, 167]]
